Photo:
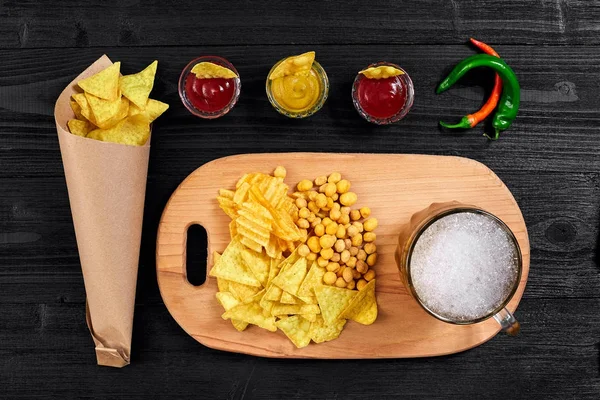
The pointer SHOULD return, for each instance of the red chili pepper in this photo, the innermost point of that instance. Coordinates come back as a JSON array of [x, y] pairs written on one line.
[[471, 120]]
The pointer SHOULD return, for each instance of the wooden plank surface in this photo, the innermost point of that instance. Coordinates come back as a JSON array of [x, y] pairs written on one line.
[[549, 159], [395, 187], [74, 23]]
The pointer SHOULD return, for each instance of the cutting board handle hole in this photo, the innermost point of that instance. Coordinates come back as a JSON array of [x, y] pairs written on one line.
[[196, 255]]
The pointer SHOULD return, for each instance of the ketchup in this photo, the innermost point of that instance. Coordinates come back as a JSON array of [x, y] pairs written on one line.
[[209, 95], [381, 98]]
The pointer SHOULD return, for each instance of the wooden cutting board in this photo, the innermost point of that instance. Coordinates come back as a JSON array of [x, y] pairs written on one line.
[[394, 186]]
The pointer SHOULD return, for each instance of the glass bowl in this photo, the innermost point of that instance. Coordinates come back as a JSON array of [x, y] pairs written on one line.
[[410, 95], [324, 82], [190, 106]]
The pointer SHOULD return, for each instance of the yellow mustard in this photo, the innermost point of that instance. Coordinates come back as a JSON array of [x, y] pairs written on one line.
[[297, 93]]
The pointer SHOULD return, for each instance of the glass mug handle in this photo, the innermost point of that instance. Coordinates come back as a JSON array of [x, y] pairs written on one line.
[[508, 322]]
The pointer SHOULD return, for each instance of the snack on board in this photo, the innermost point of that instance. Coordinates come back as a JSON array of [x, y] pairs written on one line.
[[297, 86], [115, 108], [268, 276]]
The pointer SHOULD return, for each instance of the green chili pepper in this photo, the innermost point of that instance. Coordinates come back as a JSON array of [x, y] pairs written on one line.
[[508, 107]]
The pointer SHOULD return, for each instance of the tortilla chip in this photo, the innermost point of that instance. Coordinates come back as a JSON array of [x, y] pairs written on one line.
[[152, 110], [223, 285], [259, 264], [288, 309], [77, 110], [86, 111], [363, 307], [296, 329], [103, 110], [287, 298], [310, 317], [333, 301], [313, 278], [137, 87], [231, 266], [133, 131], [273, 293], [252, 314], [290, 278], [243, 292], [207, 70], [321, 332], [79, 127], [104, 84], [228, 301]]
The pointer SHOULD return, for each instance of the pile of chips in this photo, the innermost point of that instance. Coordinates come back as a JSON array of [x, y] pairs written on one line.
[[115, 108], [259, 285]]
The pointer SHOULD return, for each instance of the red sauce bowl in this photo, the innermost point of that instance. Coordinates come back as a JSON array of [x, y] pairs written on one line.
[[383, 101], [209, 98]]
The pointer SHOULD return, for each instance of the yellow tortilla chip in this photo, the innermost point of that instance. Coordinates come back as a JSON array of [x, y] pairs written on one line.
[[287, 298], [296, 329], [363, 307], [252, 314], [118, 117], [223, 285], [86, 111], [308, 299], [77, 109], [288, 309], [273, 293], [259, 264], [133, 131], [290, 278], [310, 317], [152, 110], [103, 110], [104, 84], [295, 65], [231, 265], [228, 301], [333, 301], [137, 87], [321, 332], [313, 278], [79, 127], [207, 70], [243, 292], [381, 72], [274, 269]]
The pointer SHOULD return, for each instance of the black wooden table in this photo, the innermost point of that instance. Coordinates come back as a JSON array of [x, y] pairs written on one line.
[[550, 159]]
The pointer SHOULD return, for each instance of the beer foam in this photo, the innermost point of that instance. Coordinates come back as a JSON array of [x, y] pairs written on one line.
[[464, 266]]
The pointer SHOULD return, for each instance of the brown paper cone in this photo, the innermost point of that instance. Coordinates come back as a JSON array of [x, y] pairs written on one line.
[[107, 185]]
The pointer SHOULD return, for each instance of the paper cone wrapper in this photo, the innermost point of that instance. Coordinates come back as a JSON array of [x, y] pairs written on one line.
[[107, 185]]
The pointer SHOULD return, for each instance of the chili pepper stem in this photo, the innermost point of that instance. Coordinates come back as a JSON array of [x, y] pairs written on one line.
[[465, 123], [496, 135]]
